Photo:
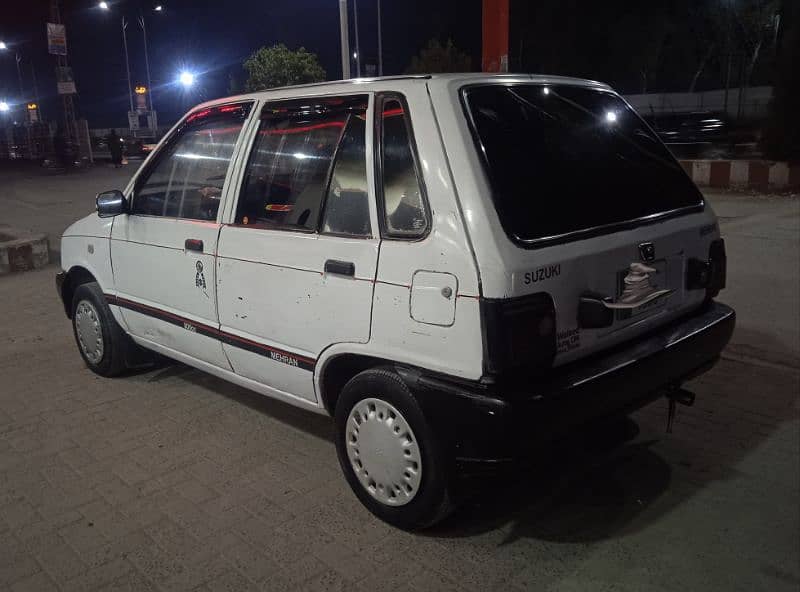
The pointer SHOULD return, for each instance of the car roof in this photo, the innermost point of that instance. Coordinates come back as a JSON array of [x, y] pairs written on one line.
[[384, 83]]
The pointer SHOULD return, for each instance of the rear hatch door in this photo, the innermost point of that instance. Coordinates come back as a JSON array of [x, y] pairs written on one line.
[[594, 205]]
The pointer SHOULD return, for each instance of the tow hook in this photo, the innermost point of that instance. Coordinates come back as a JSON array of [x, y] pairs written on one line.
[[675, 396]]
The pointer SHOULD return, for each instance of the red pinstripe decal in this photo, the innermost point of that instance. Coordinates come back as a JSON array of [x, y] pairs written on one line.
[[221, 335]]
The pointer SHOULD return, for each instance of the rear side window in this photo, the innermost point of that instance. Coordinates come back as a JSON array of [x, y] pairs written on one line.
[[347, 201], [569, 159], [403, 200], [187, 177], [308, 157]]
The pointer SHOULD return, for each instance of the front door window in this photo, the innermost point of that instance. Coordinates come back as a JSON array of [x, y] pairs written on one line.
[[187, 177]]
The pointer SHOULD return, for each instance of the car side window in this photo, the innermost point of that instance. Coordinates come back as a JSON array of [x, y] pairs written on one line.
[[187, 177], [404, 206], [347, 201], [288, 177]]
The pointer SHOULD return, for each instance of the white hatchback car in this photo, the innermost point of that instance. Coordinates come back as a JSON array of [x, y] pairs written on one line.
[[458, 268]]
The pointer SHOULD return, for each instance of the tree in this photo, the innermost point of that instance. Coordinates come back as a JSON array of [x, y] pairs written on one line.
[[274, 66], [782, 131], [757, 23], [437, 58]]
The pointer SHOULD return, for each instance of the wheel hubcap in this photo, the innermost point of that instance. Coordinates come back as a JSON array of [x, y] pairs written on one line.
[[383, 452], [89, 331]]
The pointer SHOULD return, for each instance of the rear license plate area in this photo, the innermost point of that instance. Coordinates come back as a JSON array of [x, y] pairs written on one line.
[[658, 281]]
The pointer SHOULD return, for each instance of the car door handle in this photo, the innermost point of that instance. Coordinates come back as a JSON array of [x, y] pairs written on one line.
[[340, 267], [193, 244]]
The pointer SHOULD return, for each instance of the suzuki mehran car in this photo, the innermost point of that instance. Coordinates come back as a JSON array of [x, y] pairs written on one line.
[[456, 268]]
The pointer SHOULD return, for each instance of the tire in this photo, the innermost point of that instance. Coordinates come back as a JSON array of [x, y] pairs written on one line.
[[102, 343], [380, 427]]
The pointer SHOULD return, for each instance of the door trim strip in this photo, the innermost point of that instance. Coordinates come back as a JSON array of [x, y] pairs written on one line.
[[273, 353]]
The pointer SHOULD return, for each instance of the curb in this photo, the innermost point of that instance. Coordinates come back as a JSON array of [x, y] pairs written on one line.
[[762, 175], [22, 251]]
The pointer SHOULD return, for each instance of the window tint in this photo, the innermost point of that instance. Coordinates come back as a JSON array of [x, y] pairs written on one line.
[[347, 202], [187, 178], [562, 159], [402, 193], [289, 168]]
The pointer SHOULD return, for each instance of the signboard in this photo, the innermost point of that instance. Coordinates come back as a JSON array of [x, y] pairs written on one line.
[[141, 98], [56, 39], [133, 120], [65, 82], [33, 112]]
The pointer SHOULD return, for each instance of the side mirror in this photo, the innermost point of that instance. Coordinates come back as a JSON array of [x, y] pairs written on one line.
[[111, 203]]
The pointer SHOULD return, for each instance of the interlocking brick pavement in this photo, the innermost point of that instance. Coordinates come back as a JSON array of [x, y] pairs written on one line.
[[173, 480]]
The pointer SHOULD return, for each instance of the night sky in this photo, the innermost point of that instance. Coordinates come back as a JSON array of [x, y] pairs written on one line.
[[212, 38], [635, 46]]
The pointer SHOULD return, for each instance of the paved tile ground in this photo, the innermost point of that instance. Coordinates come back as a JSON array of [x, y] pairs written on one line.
[[174, 480]]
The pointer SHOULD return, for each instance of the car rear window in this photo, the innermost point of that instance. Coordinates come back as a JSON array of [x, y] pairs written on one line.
[[567, 159]]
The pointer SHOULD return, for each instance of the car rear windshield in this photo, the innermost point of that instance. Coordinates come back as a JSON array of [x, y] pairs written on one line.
[[570, 159]]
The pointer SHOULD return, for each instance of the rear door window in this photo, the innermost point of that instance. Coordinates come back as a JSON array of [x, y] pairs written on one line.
[[566, 159], [309, 156]]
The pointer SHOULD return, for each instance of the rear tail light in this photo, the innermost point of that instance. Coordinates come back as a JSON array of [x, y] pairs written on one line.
[[519, 334], [710, 275], [718, 268]]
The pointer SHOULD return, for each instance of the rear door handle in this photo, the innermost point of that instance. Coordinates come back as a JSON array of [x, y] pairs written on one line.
[[193, 244], [340, 267]]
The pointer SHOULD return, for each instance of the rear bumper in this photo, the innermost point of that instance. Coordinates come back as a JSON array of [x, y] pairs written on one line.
[[486, 424]]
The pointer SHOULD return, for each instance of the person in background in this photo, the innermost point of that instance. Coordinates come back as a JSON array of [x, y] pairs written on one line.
[[115, 147]]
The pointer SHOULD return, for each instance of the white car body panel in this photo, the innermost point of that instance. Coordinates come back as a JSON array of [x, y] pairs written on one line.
[[584, 264], [86, 244], [273, 288]]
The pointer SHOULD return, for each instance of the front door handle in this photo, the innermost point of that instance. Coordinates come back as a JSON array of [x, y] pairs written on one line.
[[193, 244], [340, 267]]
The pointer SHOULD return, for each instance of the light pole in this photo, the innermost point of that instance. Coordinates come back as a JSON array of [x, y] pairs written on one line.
[[147, 68], [358, 47], [17, 58], [105, 7], [21, 98], [127, 62], [19, 78], [345, 39], [380, 41]]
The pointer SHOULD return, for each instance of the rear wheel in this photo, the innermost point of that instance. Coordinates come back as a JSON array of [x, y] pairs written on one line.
[[388, 452], [101, 341]]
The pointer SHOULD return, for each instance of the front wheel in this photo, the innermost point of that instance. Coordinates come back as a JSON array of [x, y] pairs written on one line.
[[101, 341], [388, 451]]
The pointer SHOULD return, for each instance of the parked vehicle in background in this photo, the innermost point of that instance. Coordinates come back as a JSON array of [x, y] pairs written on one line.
[[457, 268], [705, 127], [134, 147]]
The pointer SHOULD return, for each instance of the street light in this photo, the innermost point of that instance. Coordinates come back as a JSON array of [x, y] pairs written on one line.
[[158, 8], [4, 107], [103, 5], [3, 45], [186, 78]]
